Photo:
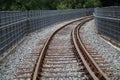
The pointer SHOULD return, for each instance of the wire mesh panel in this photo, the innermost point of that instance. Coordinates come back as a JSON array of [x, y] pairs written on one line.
[[11, 34], [47, 17], [108, 22], [15, 24], [7, 17]]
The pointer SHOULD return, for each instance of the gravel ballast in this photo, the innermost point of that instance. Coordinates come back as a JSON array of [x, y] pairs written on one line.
[[10, 65], [110, 53]]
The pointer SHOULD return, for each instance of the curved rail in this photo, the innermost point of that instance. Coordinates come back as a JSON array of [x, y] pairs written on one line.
[[44, 49], [91, 66]]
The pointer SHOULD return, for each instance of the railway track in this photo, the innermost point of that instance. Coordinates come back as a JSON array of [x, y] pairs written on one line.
[[65, 57], [58, 60], [91, 66]]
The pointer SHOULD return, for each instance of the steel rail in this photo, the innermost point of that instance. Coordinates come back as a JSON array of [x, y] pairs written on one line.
[[93, 69], [44, 49]]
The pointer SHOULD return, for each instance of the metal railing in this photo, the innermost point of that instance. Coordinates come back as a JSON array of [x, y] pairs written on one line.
[[15, 24], [108, 22]]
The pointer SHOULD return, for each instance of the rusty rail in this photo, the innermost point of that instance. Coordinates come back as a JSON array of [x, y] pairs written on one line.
[[44, 49], [91, 67], [90, 64]]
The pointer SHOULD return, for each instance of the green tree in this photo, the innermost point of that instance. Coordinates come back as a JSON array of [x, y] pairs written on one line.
[[91, 3], [6, 4], [62, 6], [110, 2], [47, 4]]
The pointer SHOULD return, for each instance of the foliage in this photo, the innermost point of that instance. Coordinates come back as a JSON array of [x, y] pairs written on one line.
[[62, 6], [53, 4], [91, 3], [6, 4], [110, 3]]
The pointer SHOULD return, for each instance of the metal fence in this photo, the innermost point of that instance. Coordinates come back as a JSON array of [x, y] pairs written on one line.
[[108, 22], [7, 17], [15, 24]]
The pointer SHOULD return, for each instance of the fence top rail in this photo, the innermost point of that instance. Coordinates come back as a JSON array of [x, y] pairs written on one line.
[[5, 26], [116, 19], [107, 7], [10, 11], [48, 10]]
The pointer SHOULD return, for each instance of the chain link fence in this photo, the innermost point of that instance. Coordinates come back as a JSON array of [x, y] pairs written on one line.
[[15, 24], [108, 22]]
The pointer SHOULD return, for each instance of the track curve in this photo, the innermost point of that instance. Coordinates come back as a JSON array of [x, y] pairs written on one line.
[[91, 66], [60, 59]]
